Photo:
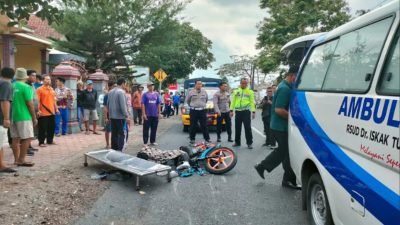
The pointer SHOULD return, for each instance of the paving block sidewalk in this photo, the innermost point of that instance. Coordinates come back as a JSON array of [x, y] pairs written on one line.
[[68, 146], [71, 145]]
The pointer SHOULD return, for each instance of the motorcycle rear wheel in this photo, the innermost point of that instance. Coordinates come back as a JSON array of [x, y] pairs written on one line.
[[220, 160]]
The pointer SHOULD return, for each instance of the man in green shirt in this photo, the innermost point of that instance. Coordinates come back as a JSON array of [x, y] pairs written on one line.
[[23, 118], [279, 128]]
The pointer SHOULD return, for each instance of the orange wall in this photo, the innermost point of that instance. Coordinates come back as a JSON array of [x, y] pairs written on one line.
[[28, 57]]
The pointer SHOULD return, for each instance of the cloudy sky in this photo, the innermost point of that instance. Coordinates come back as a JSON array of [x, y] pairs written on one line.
[[231, 25]]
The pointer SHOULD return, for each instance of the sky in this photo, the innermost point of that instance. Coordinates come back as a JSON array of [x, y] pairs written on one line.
[[231, 26]]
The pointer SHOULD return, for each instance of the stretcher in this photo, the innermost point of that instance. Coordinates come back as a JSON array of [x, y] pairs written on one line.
[[130, 164]]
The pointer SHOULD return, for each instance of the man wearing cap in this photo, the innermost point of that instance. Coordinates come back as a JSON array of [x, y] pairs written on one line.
[[151, 113], [245, 109], [63, 94], [47, 111], [279, 129], [23, 118], [89, 99], [197, 101]]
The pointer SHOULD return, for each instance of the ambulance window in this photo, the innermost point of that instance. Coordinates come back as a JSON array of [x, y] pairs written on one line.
[[389, 83], [355, 58], [314, 71]]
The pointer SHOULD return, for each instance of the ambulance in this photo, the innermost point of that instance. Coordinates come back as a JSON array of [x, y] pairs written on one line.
[[344, 122]]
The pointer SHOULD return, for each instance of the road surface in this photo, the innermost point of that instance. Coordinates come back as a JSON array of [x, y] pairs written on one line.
[[239, 197]]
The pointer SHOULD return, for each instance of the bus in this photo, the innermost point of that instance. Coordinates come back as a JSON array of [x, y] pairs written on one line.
[[344, 123]]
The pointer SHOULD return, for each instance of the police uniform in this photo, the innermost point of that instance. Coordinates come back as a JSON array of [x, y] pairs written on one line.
[[243, 105], [221, 105], [197, 101]]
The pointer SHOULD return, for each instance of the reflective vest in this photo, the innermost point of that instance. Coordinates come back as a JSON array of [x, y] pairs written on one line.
[[243, 99]]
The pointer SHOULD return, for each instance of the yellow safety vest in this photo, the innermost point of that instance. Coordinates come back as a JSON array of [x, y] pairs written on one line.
[[243, 99]]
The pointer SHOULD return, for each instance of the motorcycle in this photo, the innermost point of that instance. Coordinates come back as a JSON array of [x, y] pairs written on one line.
[[213, 157]]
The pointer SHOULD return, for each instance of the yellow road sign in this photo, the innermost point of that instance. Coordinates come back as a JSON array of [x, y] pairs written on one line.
[[160, 75]]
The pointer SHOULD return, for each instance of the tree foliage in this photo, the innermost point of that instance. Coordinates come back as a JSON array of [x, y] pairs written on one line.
[[245, 66], [289, 19], [20, 10], [107, 31], [241, 66], [176, 47]]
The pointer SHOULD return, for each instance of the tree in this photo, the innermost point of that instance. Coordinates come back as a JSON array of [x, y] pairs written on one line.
[[243, 66], [289, 19], [176, 47], [107, 31], [20, 10]]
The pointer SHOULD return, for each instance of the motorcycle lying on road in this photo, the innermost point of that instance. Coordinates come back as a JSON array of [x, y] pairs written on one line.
[[215, 158]]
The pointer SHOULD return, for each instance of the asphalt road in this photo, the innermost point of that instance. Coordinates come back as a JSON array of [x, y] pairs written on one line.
[[239, 197]]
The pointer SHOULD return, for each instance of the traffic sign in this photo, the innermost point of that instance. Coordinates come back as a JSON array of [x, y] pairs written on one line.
[[160, 75]]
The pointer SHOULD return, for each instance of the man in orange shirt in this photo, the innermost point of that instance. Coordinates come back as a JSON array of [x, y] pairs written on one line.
[[137, 106], [47, 110]]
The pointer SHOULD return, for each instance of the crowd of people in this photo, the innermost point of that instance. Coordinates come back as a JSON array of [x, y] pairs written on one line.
[[30, 107]]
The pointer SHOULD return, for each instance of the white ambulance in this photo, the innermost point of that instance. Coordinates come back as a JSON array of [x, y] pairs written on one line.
[[344, 125]]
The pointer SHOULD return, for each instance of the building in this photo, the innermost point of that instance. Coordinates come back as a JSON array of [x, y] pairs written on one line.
[[26, 46]]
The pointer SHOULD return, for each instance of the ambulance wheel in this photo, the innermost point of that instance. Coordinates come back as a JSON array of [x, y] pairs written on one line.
[[318, 209]]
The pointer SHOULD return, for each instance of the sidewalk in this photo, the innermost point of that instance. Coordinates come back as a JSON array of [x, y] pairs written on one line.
[[76, 144], [68, 146]]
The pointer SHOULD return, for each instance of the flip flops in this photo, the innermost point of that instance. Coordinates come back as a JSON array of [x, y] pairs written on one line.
[[8, 170], [26, 164]]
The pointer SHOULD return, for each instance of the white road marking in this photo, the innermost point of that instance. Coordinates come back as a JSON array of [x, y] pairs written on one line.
[[258, 132], [175, 185], [223, 179], [189, 217]]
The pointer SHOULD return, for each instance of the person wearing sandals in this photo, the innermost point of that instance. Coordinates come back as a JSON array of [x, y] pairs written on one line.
[[23, 118], [5, 102], [63, 94], [89, 99], [47, 111]]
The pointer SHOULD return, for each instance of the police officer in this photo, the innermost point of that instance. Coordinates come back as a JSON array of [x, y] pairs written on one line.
[[279, 127], [221, 107], [197, 101], [243, 105]]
